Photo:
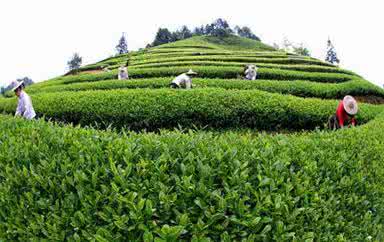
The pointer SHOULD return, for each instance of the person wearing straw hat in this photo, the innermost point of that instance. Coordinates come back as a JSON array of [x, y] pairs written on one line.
[[184, 80], [24, 105], [345, 114], [250, 72]]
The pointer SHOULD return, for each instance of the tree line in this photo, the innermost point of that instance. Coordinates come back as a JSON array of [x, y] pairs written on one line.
[[218, 28]]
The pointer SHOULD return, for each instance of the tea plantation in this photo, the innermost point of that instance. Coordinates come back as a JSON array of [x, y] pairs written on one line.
[[229, 160]]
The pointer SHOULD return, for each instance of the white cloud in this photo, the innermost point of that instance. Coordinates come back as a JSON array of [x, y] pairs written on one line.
[[38, 37]]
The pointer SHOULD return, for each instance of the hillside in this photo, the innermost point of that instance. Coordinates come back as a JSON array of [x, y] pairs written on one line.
[[230, 159]]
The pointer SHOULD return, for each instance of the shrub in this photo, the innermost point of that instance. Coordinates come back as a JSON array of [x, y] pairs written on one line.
[[164, 108], [63, 183], [355, 87]]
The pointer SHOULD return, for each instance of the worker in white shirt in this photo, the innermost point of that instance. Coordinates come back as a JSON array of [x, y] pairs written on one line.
[[250, 72], [123, 73], [24, 105], [105, 69], [184, 80]]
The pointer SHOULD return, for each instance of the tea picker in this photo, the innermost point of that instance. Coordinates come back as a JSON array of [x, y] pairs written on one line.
[[24, 105], [184, 80], [345, 114], [250, 72], [123, 71]]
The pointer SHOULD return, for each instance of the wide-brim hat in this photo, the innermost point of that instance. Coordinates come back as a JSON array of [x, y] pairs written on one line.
[[16, 84], [190, 72], [350, 105]]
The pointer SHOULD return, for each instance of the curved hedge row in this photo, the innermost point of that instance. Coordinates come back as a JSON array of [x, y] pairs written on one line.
[[297, 60], [307, 68], [66, 184], [210, 72], [165, 108], [297, 88]]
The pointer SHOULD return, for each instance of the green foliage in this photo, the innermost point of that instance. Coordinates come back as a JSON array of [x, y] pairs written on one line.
[[224, 182], [223, 72], [355, 87], [164, 108], [75, 62], [63, 183]]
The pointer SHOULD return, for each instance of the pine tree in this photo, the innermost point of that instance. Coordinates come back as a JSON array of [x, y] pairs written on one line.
[[163, 36], [75, 62], [122, 47], [331, 54]]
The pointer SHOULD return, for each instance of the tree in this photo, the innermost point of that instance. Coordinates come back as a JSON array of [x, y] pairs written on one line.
[[199, 30], [246, 32], [185, 33], [301, 50], [289, 46], [122, 46], [27, 81], [163, 36], [208, 29], [75, 62], [220, 28], [331, 56]]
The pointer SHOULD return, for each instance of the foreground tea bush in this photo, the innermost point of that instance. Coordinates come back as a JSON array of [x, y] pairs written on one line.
[[63, 183], [165, 108]]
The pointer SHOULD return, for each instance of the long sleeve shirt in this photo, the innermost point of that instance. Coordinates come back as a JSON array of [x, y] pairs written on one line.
[[251, 74], [342, 116], [123, 73], [24, 107], [183, 81]]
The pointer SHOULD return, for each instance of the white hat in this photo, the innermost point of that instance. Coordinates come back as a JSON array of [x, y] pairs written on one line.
[[16, 84], [190, 72], [350, 105]]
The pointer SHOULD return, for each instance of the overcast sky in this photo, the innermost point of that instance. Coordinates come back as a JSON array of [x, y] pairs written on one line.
[[38, 37]]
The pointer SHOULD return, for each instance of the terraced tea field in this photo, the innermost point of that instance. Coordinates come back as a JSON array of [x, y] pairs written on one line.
[[151, 163]]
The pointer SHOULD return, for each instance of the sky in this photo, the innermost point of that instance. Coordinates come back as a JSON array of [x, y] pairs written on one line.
[[38, 37]]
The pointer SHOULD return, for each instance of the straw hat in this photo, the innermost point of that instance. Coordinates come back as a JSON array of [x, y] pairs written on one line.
[[190, 72], [16, 84], [350, 105]]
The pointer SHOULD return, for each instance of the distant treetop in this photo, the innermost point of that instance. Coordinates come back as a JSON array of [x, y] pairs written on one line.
[[122, 46], [219, 28], [331, 56]]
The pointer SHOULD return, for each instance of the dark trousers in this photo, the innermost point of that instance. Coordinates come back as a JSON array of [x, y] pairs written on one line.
[[333, 123]]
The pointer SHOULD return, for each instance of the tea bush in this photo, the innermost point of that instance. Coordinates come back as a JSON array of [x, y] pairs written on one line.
[[208, 72], [72, 184], [307, 68], [355, 87], [163, 108]]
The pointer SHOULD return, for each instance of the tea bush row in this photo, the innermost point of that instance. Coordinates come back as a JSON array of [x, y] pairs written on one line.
[[164, 108], [355, 87], [72, 184]]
